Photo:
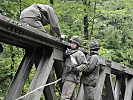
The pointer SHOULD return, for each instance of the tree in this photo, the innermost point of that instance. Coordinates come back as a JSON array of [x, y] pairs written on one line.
[[109, 21]]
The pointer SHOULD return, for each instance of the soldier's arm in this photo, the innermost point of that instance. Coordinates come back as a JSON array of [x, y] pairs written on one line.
[[53, 20], [90, 67], [82, 62]]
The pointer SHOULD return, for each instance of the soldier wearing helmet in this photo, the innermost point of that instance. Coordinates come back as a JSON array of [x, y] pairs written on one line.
[[94, 46], [77, 40], [74, 57], [90, 73]]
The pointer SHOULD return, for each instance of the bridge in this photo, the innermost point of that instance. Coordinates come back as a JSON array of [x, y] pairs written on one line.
[[46, 52]]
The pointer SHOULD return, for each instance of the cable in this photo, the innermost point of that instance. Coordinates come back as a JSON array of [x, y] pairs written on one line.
[[19, 98], [38, 89]]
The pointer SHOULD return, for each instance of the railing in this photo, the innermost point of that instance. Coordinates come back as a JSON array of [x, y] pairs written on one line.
[[46, 52]]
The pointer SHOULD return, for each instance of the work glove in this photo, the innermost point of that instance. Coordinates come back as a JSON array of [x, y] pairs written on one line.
[[63, 36], [67, 52]]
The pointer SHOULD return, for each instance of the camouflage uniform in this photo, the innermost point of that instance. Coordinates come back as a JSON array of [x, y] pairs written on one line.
[[39, 15], [90, 74], [70, 78]]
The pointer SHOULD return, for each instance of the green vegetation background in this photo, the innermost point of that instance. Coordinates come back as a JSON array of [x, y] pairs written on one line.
[[111, 23]]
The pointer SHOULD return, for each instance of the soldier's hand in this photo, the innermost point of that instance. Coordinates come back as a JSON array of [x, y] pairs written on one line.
[[63, 37], [74, 70], [68, 52]]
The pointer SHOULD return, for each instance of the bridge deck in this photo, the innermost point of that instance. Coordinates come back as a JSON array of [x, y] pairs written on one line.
[[24, 36], [12, 32]]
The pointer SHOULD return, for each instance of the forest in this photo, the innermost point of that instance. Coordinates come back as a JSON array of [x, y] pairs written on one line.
[[108, 21]]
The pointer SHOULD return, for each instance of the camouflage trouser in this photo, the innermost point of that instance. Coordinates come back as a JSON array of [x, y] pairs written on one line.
[[33, 23], [68, 91], [89, 92]]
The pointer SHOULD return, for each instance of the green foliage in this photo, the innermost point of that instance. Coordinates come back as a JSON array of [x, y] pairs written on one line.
[[112, 24], [8, 66]]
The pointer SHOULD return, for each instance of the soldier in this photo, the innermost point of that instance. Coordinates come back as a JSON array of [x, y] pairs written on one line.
[[1, 48], [74, 58], [39, 15], [90, 73]]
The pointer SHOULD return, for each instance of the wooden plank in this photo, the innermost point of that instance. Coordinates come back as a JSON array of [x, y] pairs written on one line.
[[58, 66], [100, 85], [102, 61], [41, 76], [11, 27], [49, 91], [123, 86], [11, 32], [108, 81], [121, 69], [117, 68], [117, 87], [106, 69], [58, 54], [21, 75], [109, 87], [129, 89], [32, 36], [13, 40]]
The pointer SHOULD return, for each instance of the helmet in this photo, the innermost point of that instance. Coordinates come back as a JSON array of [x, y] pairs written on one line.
[[76, 39], [94, 45]]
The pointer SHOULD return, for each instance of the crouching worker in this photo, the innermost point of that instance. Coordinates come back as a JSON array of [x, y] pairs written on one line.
[[74, 58], [90, 73], [39, 15]]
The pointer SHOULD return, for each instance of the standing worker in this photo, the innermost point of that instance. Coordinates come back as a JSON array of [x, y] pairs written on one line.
[[90, 73], [39, 15], [74, 57]]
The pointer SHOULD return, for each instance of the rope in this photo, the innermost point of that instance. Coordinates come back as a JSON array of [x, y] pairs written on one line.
[[39, 88], [42, 87]]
